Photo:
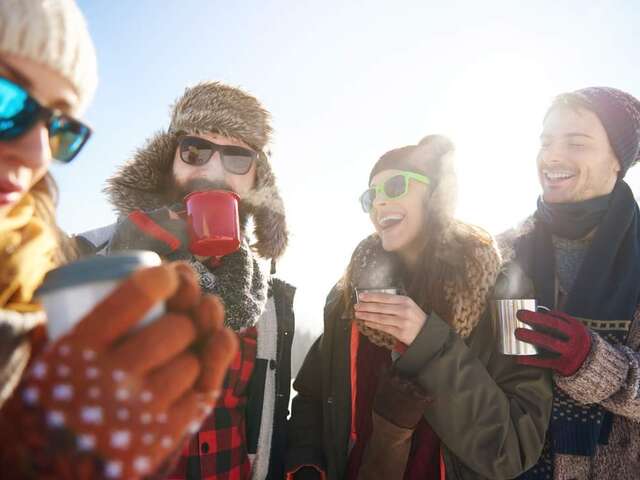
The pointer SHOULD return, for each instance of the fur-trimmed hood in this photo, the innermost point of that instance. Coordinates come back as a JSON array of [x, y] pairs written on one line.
[[468, 296], [144, 182], [507, 239]]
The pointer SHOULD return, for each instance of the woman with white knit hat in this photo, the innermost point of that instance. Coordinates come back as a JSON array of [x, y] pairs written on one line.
[[100, 401]]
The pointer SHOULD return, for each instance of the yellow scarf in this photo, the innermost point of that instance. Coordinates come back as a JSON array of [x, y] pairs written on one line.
[[27, 247]]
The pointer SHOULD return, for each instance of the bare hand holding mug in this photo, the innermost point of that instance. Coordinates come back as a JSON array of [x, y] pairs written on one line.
[[397, 315]]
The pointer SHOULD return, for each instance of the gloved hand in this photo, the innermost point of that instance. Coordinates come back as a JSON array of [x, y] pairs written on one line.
[[128, 396], [558, 333], [161, 231]]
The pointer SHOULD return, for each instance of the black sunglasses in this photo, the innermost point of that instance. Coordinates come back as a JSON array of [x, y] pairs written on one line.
[[19, 112], [198, 151]]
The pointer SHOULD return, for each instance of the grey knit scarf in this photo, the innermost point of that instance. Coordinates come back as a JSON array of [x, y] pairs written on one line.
[[238, 281]]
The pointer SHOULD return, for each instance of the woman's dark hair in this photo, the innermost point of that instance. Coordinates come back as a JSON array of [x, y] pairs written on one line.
[[442, 256]]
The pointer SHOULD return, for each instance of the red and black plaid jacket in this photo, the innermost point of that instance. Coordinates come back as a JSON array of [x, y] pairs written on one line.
[[219, 450]]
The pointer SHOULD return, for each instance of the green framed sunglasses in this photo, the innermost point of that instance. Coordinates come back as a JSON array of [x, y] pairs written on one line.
[[393, 187]]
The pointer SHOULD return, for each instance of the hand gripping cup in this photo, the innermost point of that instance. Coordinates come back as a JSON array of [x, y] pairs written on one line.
[[69, 293], [213, 222]]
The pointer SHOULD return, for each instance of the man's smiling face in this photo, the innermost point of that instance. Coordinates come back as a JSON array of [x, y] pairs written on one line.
[[575, 161]]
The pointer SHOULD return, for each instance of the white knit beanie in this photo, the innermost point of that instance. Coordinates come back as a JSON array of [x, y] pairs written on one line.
[[53, 33]]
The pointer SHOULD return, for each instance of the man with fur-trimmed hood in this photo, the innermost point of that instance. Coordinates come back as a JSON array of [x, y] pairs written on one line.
[[217, 140]]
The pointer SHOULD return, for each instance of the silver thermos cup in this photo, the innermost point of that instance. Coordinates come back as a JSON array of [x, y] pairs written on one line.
[[505, 323]]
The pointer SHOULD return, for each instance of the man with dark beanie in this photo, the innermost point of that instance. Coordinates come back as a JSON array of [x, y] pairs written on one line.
[[581, 250]]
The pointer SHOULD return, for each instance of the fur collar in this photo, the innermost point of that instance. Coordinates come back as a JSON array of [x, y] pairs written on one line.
[[468, 297]]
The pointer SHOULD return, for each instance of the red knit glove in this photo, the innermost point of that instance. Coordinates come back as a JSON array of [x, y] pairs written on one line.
[[161, 231], [126, 396], [558, 333]]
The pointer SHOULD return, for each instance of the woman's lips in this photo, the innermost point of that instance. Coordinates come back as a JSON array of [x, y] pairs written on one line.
[[9, 192], [391, 225]]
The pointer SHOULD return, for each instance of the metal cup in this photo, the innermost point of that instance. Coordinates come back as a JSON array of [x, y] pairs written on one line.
[[505, 322], [390, 290]]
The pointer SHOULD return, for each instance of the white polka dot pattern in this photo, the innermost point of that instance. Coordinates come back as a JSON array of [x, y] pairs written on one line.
[[113, 470], [63, 392], [55, 418], [122, 394], [166, 442], [122, 414], [86, 442], [63, 371], [88, 355], [39, 370], [110, 411], [92, 415], [120, 439], [142, 465], [94, 393], [30, 395]]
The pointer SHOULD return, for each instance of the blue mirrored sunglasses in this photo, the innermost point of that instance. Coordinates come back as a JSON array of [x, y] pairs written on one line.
[[19, 111]]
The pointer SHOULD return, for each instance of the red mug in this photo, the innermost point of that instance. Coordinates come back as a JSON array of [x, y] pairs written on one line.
[[213, 223]]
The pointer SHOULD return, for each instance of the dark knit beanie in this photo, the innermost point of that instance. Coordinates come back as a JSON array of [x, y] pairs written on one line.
[[619, 113], [423, 158]]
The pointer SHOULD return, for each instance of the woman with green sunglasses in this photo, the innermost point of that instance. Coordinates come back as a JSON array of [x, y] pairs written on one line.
[[405, 381]]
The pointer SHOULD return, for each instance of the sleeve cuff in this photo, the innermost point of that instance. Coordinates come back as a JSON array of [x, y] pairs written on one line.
[[600, 376], [427, 344]]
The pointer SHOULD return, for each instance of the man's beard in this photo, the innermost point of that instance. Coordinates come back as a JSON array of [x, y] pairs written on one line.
[[176, 193]]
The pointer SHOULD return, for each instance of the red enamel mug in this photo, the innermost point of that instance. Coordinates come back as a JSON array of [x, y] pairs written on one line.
[[213, 223]]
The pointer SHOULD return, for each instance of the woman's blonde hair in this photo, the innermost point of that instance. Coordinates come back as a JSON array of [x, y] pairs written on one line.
[[45, 195]]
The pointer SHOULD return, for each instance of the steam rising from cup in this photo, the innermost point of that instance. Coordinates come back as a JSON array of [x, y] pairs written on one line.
[[513, 284], [513, 291], [375, 269]]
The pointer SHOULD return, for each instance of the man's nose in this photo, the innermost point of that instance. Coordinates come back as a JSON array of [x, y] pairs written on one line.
[[215, 167], [552, 154]]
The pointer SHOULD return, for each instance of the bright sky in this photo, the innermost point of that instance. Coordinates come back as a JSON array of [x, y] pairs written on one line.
[[345, 82]]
